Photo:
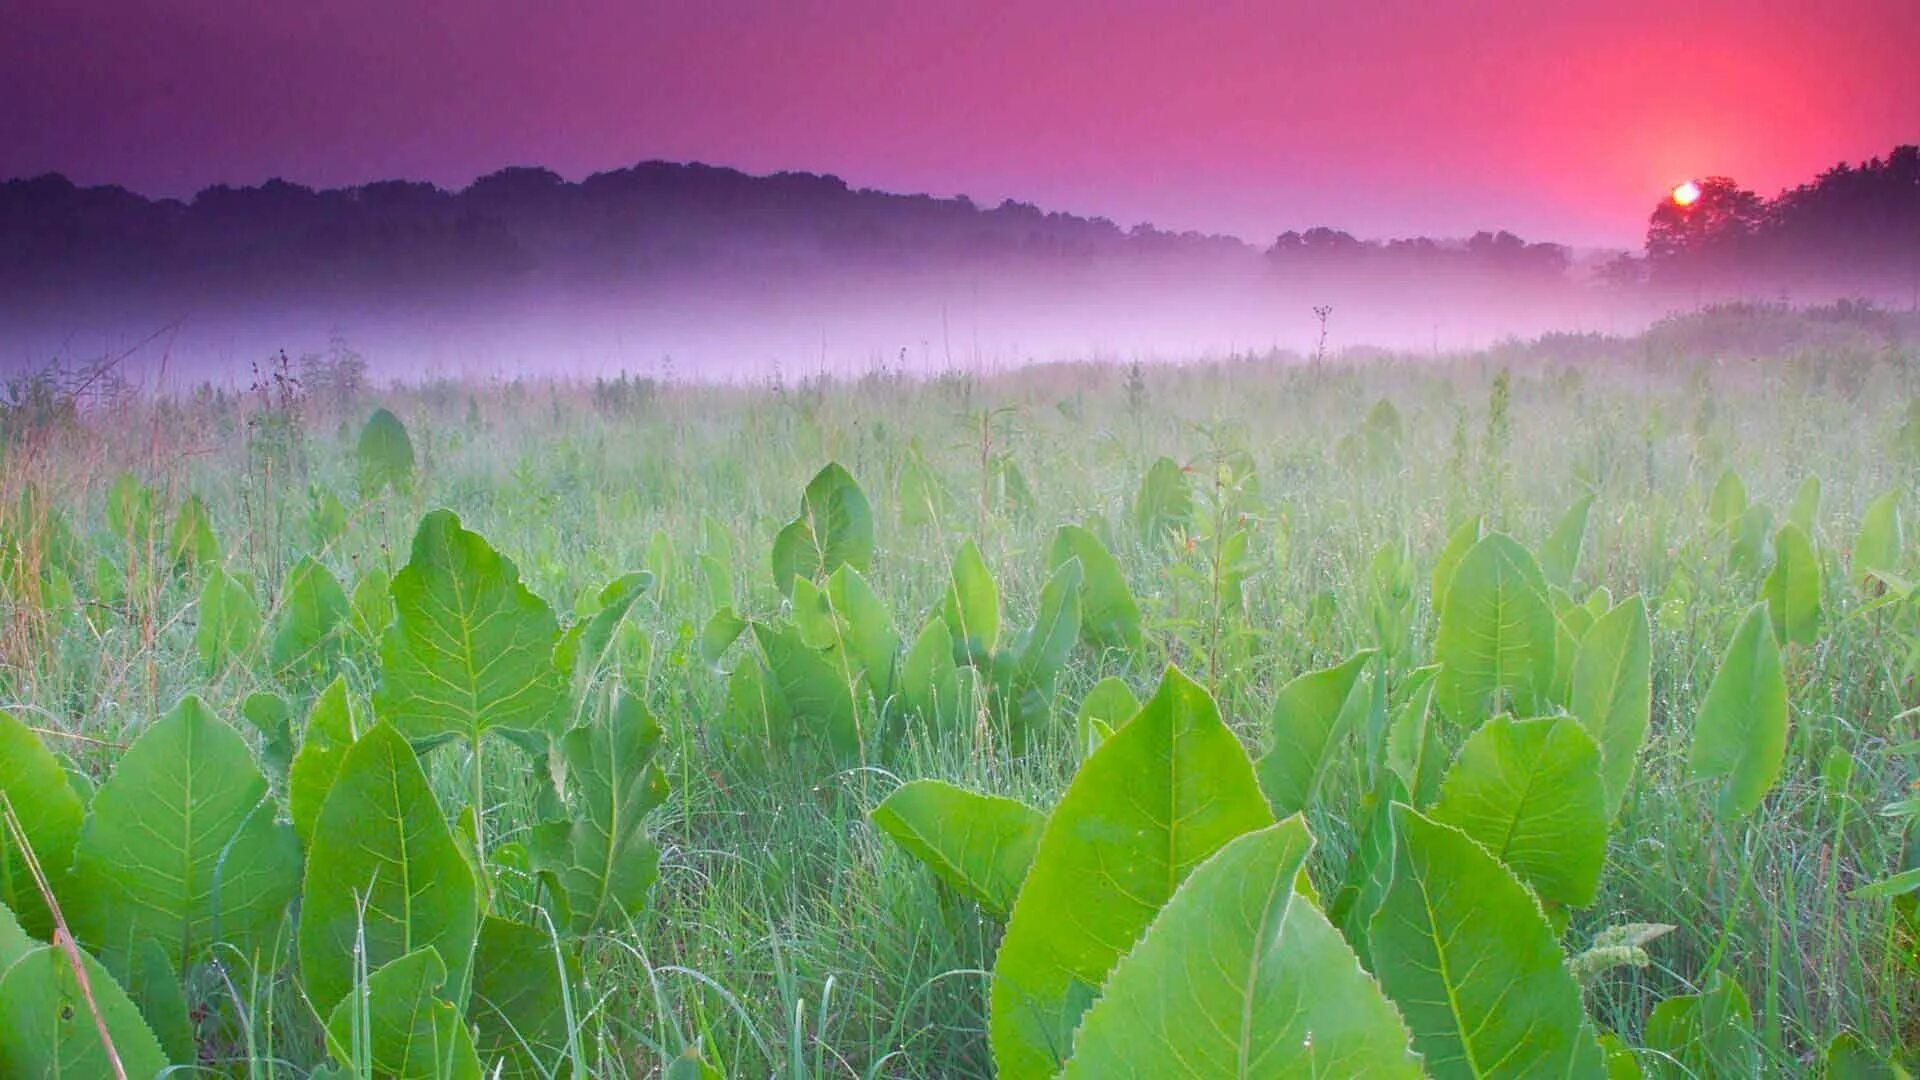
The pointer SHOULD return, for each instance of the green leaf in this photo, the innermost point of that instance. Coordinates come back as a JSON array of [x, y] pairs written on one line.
[[310, 610], [49, 814], [382, 845], [1804, 511], [1306, 729], [1497, 633], [1109, 616], [1164, 503], [272, 717], [181, 846], [603, 860], [384, 455], [1530, 792], [930, 680], [586, 647], [192, 541], [868, 630], [470, 649], [1560, 555], [1240, 977], [972, 607], [1727, 502], [229, 621], [981, 845], [1056, 627], [1459, 542], [1158, 798], [404, 1029], [1881, 543], [1705, 1034], [722, 630], [834, 529], [1414, 753], [1462, 948], [1612, 693], [923, 499], [47, 1026], [1369, 868], [332, 725], [372, 603], [519, 1008], [1740, 732], [1105, 708], [814, 694], [1792, 590], [1847, 1057]]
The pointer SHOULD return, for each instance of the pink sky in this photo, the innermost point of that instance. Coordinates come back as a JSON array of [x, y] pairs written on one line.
[[1558, 120]]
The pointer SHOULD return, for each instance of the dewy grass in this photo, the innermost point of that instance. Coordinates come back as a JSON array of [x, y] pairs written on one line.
[[786, 934]]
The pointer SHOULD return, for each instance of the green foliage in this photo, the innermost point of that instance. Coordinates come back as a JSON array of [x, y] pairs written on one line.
[[1881, 543], [1705, 1034], [519, 1007], [1107, 706], [1159, 797], [400, 1026], [1460, 541], [333, 723], [1462, 948], [1306, 729], [1109, 616], [311, 609], [810, 696], [1740, 732], [865, 628], [971, 608], [1277, 992], [834, 529], [1612, 693], [384, 877], [44, 805], [1165, 502], [470, 649], [930, 680], [1497, 634], [1792, 589], [384, 455], [978, 844], [1560, 555], [229, 621], [47, 1025]]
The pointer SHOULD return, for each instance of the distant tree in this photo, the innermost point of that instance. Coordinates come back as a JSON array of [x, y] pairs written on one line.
[[1717, 222]]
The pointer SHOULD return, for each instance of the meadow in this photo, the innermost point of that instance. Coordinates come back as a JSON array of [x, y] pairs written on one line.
[[1548, 709]]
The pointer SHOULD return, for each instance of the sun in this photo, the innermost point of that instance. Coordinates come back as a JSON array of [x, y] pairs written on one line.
[[1686, 194]]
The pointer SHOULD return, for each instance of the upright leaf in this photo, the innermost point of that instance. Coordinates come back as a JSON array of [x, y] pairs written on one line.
[[1612, 694], [1530, 792], [971, 607], [867, 629], [834, 529], [1306, 729], [470, 649], [181, 846], [1239, 977], [312, 607], [47, 1026], [384, 455], [332, 726], [1740, 732], [1459, 542], [229, 621], [1157, 799], [519, 1008], [1109, 615], [1461, 946], [383, 858], [1880, 544], [1414, 752], [813, 692], [1560, 555], [1165, 503], [1497, 633], [1792, 590], [49, 813], [1105, 708], [1704, 1034], [930, 680], [410, 1031], [979, 844]]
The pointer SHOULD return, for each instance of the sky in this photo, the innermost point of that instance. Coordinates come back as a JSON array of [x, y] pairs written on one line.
[[1558, 120]]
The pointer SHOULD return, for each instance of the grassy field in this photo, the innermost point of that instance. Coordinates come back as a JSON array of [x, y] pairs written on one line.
[[788, 935]]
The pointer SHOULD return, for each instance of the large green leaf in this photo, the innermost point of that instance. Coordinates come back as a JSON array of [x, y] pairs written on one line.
[[1462, 947], [1612, 693], [47, 1026], [1056, 627], [602, 860], [1727, 502], [384, 869], [401, 1025], [923, 498], [332, 725], [1240, 977], [1560, 554], [1459, 542], [813, 692], [1709, 1034], [470, 649], [1107, 706], [971, 607], [312, 607], [1165, 503], [588, 644], [867, 629], [49, 814], [181, 845], [1881, 543], [1530, 792], [1109, 616], [1740, 732], [229, 620], [1306, 729], [384, 455], [981, 845], [1792, 589], [834, 529], [519, 1008], [1156, 799], [1414, 752], [930, 680], [1497, 633]]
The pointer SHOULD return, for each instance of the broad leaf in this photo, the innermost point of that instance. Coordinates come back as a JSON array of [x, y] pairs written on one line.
[[519, 999], [602, 860], [930, 680], [1240, 977], [1106, 707], [813, 692], [1459, 542], [470, 649], [311, 608], [229, 621], [1704, 1034], [404, 1028], [585, 648], [1612, 693], [866, 629], [1461, 946], [1109, 616], [1306, 729], [1530, 792], [181, 845], [332, 725], [972, 607], [1414, 752], [49, 814], [47, 1026], [384, 455], [1740, 732], [1881, 543], [979, 844], [1157, 799], [1165, 503], [834, 529], [1792, 590], [1497, 633], [383, 858], [1560, 554]]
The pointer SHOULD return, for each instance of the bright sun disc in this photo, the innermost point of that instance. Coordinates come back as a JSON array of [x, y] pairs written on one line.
[[1686, 194]]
